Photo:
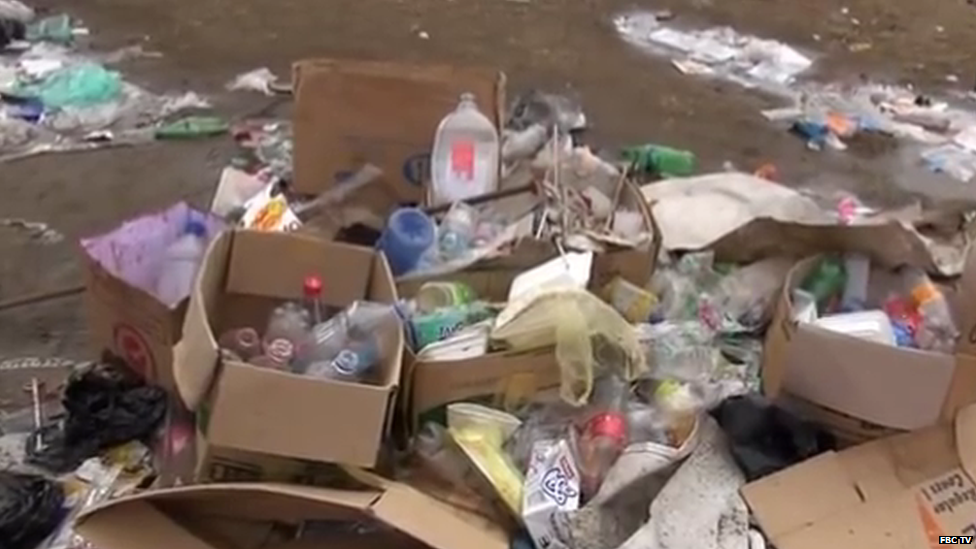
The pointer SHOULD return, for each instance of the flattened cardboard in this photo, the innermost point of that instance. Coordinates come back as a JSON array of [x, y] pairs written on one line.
[[891, 387], [263, 411], [351, 112], [901, 491], [168, 519]]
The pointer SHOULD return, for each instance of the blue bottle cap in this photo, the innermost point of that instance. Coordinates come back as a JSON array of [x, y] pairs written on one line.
[[196, 228]]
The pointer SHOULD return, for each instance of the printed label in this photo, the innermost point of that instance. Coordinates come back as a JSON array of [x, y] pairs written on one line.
[[462, 160], [947, 506], [133, 349]]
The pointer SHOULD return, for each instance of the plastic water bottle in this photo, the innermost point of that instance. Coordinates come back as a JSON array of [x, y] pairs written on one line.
[[180, 264], [604, 436], [464, 163], [858, 269], [456, 232]]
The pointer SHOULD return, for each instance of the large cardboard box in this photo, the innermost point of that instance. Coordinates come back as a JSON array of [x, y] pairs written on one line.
[[262, 411], [281, 516], [120, 268], [866, 389], [902, 491], [348, 113]]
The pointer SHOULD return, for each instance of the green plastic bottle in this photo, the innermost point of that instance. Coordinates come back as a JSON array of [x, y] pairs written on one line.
[[826, 281], [660, 160]]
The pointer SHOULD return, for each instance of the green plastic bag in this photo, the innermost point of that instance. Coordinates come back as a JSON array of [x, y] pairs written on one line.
[[82, 85]]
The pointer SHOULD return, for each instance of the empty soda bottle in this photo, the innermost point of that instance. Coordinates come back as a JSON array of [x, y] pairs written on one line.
[[290, 322], [456, 232], [464, 162], [825, 281], [312, 290], [244, 343], [353, 363]]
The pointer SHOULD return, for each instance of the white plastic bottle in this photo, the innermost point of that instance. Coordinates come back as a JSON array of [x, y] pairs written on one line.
[[464, 163], [180, 264]]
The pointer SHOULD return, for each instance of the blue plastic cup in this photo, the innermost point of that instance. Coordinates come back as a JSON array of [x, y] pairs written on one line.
[[408, 234]]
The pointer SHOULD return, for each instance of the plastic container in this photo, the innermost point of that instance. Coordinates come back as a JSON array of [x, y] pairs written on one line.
[[408, 234], [464, 163], [439, 295], [356, 340], [661, 160], [180, 264], [858, 269], [870, 325], [604, 436], [936, 330], [245, 343], [456, 233]]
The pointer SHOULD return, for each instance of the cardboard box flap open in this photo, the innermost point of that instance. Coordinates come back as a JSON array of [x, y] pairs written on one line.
[[894, 492], [151, 520]]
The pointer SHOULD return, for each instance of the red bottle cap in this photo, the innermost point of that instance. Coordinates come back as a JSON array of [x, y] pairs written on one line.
[[313, 286]]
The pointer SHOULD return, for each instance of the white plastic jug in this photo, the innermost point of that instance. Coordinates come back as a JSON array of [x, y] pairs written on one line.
[[464, 163], [180, 264]]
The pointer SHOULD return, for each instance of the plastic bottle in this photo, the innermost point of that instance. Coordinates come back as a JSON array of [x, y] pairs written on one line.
[[409, 233], [604, 436], [825, 281], [278, 354], [357, 337], [312, 290], [456, 232], [290, 322], [464, 163], [180, 264], [858, 269], [660, 160], [936, 331], [245, 343]]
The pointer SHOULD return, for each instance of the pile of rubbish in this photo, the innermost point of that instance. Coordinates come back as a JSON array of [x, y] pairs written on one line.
[[56, 96], [825, 116], [551, 347]]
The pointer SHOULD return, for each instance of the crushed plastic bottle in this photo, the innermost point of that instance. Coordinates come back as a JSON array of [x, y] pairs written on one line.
[[180, 263], [457, 231], [278, 354], [290, 322], [357, 341], [464, 163]]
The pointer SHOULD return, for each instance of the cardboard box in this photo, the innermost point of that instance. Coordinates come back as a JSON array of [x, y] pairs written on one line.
[[350, 112], [249, 409], [903, 491], [882, 385], [120, 269], [253, 516]]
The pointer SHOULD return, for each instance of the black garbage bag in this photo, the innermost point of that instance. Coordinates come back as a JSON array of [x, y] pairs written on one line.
[[31, 507], [765, 438], [105, 405]]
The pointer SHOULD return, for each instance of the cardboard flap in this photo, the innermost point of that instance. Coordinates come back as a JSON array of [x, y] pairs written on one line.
[[433, 522], [195, 357], [800, 495], [967, 314], [966, 439]]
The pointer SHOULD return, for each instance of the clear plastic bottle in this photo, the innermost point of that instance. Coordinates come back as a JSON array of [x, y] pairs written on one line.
[[456, 232], [180, 264], [464, 163], [245, 343], [278, 355], [312, 290], [858, 268], [353, 349], [605, 435], [290, 322], [936, 330]]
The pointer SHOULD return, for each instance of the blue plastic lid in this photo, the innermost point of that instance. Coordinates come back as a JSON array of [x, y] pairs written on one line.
[[196, 228]]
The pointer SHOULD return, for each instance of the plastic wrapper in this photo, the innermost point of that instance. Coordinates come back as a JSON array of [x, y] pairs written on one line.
[[590, 336], [744, 298], [680, 287], [480, 432]]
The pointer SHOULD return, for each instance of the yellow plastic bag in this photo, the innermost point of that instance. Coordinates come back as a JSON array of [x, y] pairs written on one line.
[[589, 335]]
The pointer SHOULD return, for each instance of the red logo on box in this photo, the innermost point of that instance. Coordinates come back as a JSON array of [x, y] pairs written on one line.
[[132, 347]]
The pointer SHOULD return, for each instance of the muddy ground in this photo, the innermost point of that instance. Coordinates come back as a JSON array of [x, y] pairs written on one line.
[[553, 44]]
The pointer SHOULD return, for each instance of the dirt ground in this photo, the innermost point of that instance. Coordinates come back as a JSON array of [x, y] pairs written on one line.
[[557, 45]]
